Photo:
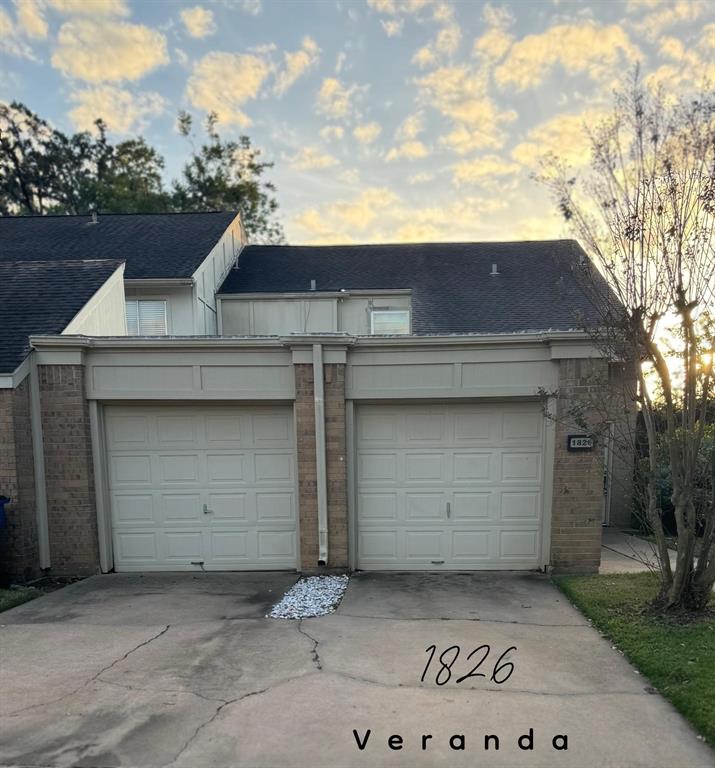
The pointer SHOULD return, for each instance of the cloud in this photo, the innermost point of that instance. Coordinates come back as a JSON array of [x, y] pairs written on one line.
[[295, 64], [460, 94], [251, 7], [224, 82], [481, 169], [335, 99], [198, 21], [30, 19], [411, 127], [499, 17], [493, 44], [123, 111], [310, 158], [367, 132], [588, 48], [392, 27], [670, 15], [689, 66], [420, 178], [108, 51], [408, 150], [11, 41], [332, 132], [564, 136], [349, 176], [94, 8]]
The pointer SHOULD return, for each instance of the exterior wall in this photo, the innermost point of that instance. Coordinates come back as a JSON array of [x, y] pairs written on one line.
[[304, 314], [577, 505], [307, 469], [71, 511], [179, 306], [105, 314], [336, 461], [211, 274], [19, 558]]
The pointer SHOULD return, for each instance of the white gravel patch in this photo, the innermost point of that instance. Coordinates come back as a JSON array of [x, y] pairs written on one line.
[[312, 596]]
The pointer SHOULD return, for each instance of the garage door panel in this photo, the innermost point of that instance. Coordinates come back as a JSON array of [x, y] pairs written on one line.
[[181, 507], [485, 461], [166, 463]]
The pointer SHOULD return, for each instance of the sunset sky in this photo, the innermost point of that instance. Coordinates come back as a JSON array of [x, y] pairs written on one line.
[[387, 120]]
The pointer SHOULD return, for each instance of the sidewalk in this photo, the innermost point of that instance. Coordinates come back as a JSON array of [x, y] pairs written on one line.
[[624, 553]]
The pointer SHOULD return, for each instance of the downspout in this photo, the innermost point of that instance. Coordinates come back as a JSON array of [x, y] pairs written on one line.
[[38, 460], [321, 473]]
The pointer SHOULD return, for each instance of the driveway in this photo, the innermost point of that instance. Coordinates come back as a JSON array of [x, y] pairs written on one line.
[[185, 670]]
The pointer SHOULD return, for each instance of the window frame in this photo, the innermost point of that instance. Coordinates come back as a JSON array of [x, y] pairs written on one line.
[[391, 311], [147, 300]]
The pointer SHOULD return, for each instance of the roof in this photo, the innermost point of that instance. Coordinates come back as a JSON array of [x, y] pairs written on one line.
[[541, 284], [42, 297], [154, 245]]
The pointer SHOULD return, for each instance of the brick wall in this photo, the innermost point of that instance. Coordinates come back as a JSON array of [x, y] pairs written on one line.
[[577, 506], [334, 392], [336, 460], [19, 557], [71, 512]]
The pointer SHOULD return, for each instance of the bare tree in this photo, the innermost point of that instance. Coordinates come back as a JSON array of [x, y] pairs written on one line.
[[644, 210]]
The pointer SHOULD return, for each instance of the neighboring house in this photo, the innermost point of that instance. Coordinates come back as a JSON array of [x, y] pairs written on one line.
[[373, 407]]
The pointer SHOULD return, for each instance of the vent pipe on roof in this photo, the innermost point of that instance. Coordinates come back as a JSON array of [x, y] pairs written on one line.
[[312, 285], [94, 217], [494, 271]]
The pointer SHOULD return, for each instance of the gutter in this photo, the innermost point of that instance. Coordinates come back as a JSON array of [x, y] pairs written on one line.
[[158, 281], [38, 460], [321, 470]]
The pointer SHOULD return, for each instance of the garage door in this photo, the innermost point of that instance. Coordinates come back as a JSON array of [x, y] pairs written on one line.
[[200, 486], [449, 486]]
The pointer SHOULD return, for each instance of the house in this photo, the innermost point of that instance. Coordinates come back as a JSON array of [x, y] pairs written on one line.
[[173, 398]]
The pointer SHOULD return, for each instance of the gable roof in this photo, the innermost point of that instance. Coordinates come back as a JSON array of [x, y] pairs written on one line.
[[42, 297], [164, 245], [540, 285]]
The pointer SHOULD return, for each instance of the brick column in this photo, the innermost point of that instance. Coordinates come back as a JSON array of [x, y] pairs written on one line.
[[307, 474], [336, 460], [577, 506], [19, 557], [71, 511], [334, 383]]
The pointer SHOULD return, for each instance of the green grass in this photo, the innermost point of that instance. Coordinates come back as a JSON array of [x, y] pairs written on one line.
[[677, 657], [9, 598]]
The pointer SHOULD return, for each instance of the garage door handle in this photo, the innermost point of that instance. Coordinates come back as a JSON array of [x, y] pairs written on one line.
[[207, 511], [449, 510]]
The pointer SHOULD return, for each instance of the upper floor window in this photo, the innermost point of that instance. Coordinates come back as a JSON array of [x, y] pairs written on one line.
[[146, 317], [390, 321]]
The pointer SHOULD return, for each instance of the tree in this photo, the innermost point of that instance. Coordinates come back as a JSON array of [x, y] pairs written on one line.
[[44, 171], [645, 212], [227, 174]]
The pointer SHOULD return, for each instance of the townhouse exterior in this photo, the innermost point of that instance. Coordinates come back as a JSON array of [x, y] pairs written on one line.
[[174, 398]]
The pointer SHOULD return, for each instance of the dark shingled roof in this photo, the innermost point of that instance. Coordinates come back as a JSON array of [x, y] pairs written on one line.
[[42, 297], [167, 245], [540, 286]]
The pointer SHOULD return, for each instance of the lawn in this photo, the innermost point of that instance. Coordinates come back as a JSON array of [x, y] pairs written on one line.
[[677, 658], [9, 598]]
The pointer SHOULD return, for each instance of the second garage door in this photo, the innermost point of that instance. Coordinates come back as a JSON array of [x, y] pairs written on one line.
[[197, 486], [450, 486]]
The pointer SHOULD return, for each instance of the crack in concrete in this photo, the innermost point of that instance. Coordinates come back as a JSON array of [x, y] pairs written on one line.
[[450, 618], [93, 678], [210, 720], [314, 652], [141, 689]]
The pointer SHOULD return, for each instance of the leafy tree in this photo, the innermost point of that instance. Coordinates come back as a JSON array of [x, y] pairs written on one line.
[[227, 174], [645, 213], [43, 170]]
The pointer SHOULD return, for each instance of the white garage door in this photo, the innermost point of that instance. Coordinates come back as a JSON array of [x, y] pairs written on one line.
[[196, 486], [449, 486]]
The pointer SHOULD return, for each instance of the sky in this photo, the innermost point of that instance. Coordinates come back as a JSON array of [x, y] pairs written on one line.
[[387, 120]]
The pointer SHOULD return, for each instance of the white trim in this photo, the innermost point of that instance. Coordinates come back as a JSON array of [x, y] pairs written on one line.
[[548, 481], [351, 459], [158, 282], [15, 378], [101, 486], [320, 459], [253, 295]]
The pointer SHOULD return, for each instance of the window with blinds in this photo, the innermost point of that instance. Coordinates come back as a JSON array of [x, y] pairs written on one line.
[[146, 317]]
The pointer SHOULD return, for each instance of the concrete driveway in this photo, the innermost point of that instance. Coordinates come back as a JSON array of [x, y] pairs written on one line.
[[184, 670]]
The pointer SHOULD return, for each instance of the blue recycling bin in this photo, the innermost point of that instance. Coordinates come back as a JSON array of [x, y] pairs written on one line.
[[3, 518]]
